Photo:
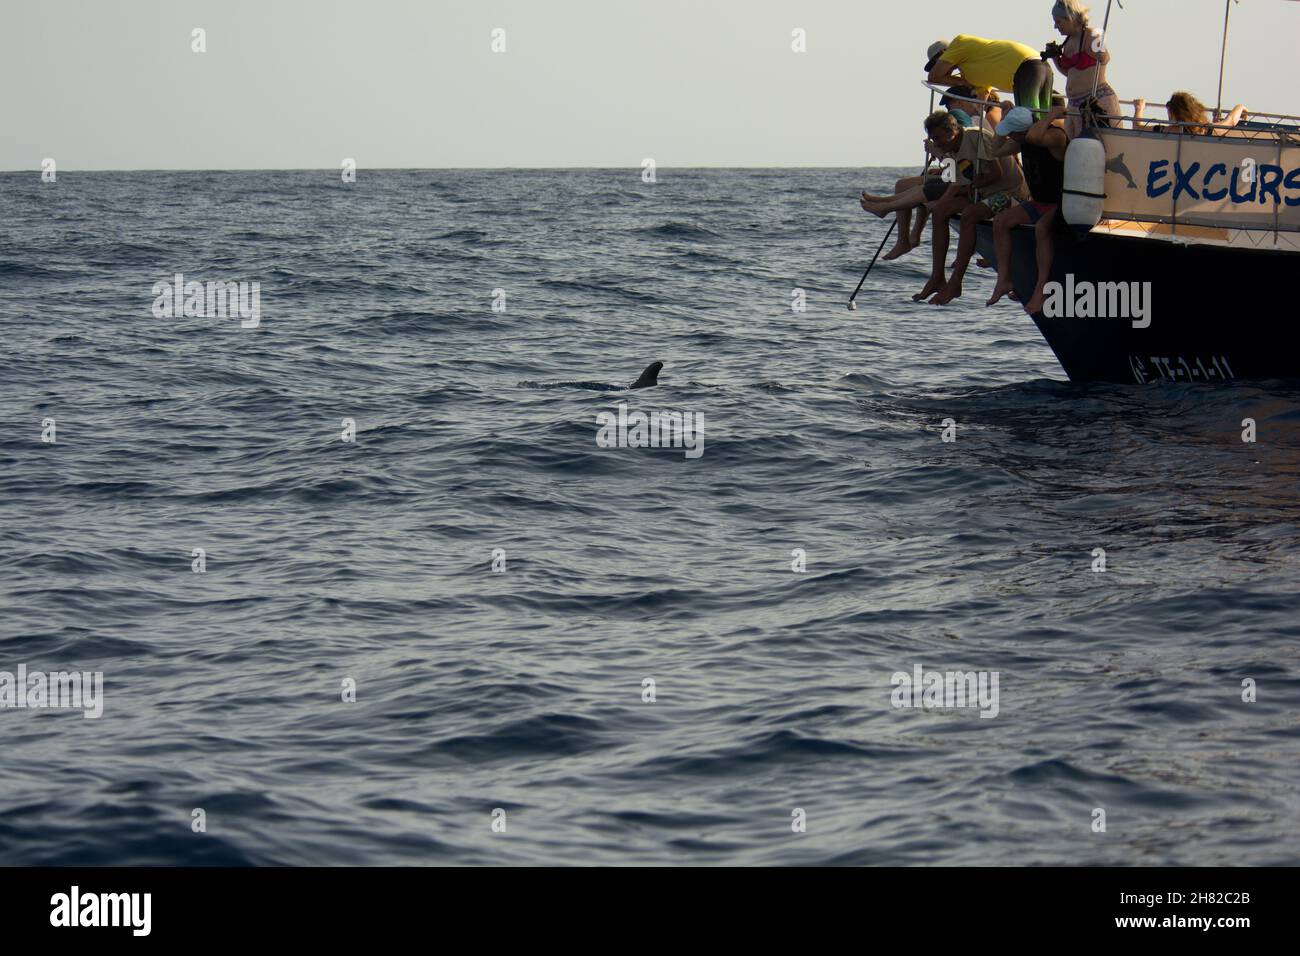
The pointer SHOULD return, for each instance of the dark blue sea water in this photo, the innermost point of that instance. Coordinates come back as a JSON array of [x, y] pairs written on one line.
[[522, 689]]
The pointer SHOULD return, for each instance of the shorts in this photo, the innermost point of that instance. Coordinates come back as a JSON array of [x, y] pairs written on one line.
[[997, 202], [1106, 99], [934, 189], [1037, 210]]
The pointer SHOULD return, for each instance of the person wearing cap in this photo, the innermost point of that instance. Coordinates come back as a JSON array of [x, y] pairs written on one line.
[[958, 107], [1082, 59], [958, 102], [909, 231], [943, 138], [986, 112], [970, 167], [947, 142], [992, 65], [1041, 145], [997, 184]]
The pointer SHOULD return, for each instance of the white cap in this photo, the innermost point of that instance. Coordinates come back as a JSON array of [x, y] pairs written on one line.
[[932, 54]]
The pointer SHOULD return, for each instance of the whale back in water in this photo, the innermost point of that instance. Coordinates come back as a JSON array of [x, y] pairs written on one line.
[[649, 378]]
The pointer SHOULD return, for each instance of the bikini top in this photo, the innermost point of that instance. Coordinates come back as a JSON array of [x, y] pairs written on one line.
[[1083, 60]]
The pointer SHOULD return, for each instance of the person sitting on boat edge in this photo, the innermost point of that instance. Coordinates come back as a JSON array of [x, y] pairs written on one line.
[[990, 185], [922, 190], [1189, 115], [1042, 147], [914, 193], [1082, 58], [909, 233], [993, 65]]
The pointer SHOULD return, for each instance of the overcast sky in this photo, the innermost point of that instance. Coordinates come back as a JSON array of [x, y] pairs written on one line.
[[113, 84]]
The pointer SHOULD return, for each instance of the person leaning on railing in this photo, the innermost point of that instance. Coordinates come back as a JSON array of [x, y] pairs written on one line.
[[960, 108], [987, 113], [992, 65], [1188, 115], [1082, 58]]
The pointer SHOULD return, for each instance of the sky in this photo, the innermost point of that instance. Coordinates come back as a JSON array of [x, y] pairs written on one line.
[[300, 84]]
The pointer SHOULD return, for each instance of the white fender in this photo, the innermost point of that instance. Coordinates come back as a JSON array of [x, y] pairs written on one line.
[[1085, 182]]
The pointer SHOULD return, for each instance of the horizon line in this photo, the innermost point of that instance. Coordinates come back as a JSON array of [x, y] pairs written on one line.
[[299, 169]]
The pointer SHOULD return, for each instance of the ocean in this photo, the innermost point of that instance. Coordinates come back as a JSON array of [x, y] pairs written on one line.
[[367, 584]]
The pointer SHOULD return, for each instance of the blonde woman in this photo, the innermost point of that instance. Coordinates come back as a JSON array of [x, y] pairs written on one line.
[[1082, 59]]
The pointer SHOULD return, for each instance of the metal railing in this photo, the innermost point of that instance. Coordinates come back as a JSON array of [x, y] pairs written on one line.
[[1278, 130], [1255, 125]]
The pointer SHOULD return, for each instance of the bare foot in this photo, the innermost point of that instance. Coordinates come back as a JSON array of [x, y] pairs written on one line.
[[1035, 305], [983, 264], [1001, 289], [871, 197], [874, 208], [900, 250], [1013, 296], [945, 295], [934, 285]]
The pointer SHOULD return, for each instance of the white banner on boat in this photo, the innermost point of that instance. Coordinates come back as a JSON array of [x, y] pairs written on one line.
[[1218, 183]]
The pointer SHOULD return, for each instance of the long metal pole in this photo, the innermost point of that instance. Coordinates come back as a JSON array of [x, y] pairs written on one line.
[[1223, 59], [853, 303], [1096, 78]]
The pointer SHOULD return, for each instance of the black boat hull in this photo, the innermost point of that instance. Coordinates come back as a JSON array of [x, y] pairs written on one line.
[[1216, 313]]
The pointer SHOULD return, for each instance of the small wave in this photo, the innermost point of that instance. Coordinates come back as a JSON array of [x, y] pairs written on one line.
[[864, 380], [609, 289], [678, 230], [25, 270], [406, 321], [464, 235], [546, 735]]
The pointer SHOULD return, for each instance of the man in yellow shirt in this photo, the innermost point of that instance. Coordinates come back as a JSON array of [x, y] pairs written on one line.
[[993, 64]]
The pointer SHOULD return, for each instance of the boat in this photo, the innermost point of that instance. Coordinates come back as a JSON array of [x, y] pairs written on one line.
[[1204, 229]]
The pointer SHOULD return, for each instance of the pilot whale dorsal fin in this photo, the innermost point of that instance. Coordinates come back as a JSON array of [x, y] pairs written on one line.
[[649, 377]]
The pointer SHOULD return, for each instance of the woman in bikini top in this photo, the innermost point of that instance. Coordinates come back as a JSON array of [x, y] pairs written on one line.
[[1083, 60], [1071, 19], [1085, 68]]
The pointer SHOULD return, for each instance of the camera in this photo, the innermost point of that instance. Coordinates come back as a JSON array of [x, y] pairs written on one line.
[[1052, 51]]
